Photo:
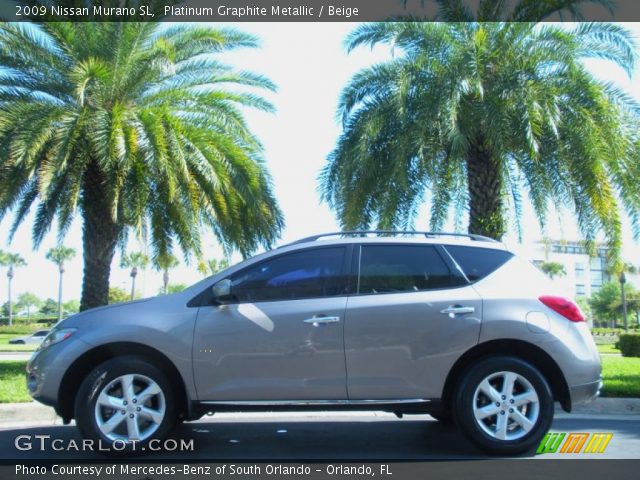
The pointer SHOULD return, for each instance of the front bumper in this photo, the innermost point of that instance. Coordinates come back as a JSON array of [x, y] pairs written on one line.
[[46, 369]]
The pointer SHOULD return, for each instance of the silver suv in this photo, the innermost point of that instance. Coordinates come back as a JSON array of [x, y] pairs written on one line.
[[406, 322]]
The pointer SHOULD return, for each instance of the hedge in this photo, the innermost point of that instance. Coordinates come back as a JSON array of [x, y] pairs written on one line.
[[23, 329], [599, 331], [24, 322], [629, 344]]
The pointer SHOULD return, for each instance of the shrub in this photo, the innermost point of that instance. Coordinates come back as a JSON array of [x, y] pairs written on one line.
[[629, 344]]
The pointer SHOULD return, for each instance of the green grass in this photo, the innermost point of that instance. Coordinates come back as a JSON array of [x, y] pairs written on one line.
[[6, 347], [17, 348], [607, 348], [621, 376], [12, 382]]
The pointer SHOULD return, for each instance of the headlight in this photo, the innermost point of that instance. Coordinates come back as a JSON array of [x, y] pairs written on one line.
[[56, 336]]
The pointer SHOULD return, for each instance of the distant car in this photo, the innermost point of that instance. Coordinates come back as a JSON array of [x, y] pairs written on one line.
[[35, 338]]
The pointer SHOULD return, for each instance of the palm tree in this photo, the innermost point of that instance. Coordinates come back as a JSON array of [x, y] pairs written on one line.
[[164, 263], [134, 261], [13, 261], [132, 126], [553, 269], [59, 255], [28, 300], [477, 113], [3, 263], [622, 278]]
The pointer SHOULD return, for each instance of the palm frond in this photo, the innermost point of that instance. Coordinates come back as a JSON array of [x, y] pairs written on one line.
[[514, 95]]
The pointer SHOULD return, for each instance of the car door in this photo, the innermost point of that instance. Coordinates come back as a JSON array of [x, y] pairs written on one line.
[[281, 338], [412, 316]]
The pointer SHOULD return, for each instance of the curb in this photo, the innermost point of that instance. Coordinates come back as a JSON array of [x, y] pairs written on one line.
[[607, 406], [27, 413]]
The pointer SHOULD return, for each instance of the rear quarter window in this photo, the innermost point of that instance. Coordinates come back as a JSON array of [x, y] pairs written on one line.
[[477, 262]]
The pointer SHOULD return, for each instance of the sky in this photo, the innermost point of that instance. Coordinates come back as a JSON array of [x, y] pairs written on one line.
[[308, 63]]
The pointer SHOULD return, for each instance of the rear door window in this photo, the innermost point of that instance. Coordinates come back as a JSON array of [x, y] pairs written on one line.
[[402, 268], [477, 262]]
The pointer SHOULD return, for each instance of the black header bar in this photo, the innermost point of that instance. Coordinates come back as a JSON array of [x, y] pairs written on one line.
[[316, 10]]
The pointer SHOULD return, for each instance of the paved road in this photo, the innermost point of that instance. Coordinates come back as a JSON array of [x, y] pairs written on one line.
[[327, 436]]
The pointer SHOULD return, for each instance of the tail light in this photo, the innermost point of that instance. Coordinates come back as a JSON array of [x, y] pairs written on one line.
[[564, 307]]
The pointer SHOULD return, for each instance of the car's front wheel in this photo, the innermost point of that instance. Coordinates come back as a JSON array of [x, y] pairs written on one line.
[[125, 402], [504, 405]]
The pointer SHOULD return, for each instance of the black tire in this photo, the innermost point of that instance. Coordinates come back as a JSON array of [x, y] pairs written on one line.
[[100, 378], [464, 406]]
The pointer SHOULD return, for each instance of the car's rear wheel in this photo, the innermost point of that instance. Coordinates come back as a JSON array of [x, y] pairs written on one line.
[[125, 402], [504, 405]]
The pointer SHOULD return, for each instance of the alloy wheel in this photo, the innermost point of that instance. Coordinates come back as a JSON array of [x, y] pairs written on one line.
[[506, 406], [130, 408]]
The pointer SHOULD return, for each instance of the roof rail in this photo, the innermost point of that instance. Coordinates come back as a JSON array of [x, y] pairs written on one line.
[[362, 233]]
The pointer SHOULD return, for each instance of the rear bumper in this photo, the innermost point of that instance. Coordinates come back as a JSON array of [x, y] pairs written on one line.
[[585, 393]]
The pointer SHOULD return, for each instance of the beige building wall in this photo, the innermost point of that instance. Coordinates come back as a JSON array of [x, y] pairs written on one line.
[[585, 275]]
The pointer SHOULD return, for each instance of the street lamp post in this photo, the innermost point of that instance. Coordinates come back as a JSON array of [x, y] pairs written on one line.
[[623, 280]]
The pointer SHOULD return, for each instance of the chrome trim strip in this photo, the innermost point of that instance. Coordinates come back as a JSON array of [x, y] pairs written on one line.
[[313, 402]]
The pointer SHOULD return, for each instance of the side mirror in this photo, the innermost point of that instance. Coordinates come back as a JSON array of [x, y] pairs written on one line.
[[222, 291]]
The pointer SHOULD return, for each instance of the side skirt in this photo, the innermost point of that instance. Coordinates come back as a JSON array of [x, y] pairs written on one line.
[[397, 406]]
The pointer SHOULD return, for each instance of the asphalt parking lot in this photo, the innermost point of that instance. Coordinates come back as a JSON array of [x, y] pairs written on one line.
[[325, 436]]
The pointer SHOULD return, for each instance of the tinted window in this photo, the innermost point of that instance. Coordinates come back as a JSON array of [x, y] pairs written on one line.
[[402, 268], [477, 263], [305, 274], [41, 333]]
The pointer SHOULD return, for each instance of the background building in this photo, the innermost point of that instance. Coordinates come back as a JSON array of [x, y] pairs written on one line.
[[585, 275]]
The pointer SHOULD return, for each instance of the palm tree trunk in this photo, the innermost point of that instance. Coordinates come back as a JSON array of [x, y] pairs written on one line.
[[99, 237], [9, 278], [484, 177], [624, 303], [165, 279], [61, 271], [133, 283]]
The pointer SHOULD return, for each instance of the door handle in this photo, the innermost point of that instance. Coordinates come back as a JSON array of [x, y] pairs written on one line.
[[457, 310], [318, 321]]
